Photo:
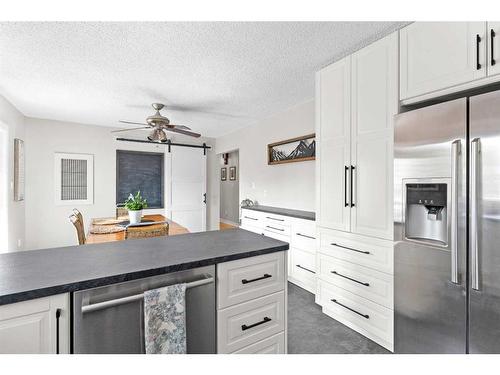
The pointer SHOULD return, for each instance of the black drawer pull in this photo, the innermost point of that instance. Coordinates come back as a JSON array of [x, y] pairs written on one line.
[[352, 186], [273, 218], [266, 276], [251, 218], [244, 327], [282, 230], [58, 316], [350, 248], [493, 35], [348, 308], [346, 168], [306, 236], [350, 278], [478, 40], [304, 268]]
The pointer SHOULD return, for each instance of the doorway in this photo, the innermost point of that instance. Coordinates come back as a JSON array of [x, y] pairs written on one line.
[[229, 216], [4, 188]]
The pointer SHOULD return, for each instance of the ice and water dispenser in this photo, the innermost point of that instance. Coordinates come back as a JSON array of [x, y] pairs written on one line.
[[426, 216]]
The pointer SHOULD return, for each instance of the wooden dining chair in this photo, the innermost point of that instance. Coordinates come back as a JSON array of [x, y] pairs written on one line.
[[77, 221], [157, 230]]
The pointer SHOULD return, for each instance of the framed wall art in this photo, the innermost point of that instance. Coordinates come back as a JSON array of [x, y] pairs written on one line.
[[292, 150], [223, 174], [232, 173], [18, 169]]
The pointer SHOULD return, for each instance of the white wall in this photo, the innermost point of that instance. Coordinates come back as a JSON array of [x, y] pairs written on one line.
[[12, 122], [229, 191], [47, 225], [290, 185]]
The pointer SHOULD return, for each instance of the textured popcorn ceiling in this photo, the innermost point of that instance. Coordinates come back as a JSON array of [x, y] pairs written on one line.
[[217, 77]]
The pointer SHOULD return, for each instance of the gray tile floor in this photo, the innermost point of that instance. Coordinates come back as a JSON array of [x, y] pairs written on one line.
[[310, 331]]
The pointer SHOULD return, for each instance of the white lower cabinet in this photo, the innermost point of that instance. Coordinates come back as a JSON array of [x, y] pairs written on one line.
[[38, 326], [251, 308]]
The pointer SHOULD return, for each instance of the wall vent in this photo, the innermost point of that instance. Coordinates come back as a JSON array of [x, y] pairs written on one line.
[[74, 178]]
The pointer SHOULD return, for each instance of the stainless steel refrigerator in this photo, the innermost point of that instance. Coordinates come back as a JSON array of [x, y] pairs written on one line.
[[447, 227]]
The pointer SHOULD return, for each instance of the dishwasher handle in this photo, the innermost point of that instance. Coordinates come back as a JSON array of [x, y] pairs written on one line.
[[136, 297]]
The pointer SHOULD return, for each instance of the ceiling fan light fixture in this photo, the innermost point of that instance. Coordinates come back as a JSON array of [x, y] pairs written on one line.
[[157, 135]]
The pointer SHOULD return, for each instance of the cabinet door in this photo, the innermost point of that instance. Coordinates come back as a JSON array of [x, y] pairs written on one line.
[[31, 327], [333, 144], [439, 55], [374, 104], [493, 32]]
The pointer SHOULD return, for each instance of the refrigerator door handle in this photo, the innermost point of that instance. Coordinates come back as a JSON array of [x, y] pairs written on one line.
[[455, 156], [475, 150]]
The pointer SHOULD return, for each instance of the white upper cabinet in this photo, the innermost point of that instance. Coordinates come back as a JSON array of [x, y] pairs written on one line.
[[440, 55], [333, 135], [357, 98], [374, 104], [493, 31]]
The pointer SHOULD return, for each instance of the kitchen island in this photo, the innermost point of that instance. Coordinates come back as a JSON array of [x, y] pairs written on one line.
[[51, 277]]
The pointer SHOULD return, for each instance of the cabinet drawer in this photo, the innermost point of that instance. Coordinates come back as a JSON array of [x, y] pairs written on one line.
[[368, 252], [251, 228], [277, 228], [272, 345], [365, 282], [303, 269], [245, 279], [249, 322], [276, 236], [303, 240], [370, 319], [273, 219]]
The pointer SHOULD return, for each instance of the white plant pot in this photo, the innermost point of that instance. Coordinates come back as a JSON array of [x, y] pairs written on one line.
[[134, 216]]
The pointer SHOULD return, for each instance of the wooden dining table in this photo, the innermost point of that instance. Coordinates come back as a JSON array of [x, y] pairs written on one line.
[[173, 230]]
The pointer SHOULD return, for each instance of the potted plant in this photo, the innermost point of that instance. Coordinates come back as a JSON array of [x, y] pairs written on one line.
[[135, 204]]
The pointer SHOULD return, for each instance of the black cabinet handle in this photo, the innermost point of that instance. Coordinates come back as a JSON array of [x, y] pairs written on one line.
[[244, 327], [251, 218], [281, 230], [205, 198], [304, 268], [266, 276], [352, 186], [350, 278], [348, 308], [346, 168], [58, 316], [478, 40], [273, 218], [493, 35], [350, 248], [306, 236]]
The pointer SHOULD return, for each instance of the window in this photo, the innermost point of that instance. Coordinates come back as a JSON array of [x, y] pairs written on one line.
[[74, 179], [138, 170]]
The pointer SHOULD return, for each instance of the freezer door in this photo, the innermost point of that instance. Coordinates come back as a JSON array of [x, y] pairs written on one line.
[[484, 238], [429, 229]]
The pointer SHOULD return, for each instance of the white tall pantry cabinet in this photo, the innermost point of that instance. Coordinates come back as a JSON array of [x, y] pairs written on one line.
[[356, 99]]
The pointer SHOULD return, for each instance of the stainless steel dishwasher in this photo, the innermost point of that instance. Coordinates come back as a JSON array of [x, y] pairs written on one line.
[[110, 319]]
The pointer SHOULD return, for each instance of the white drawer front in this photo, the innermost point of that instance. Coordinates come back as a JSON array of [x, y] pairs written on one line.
[[247, 323], [304, 240], [272, 345], [369, 254], [273, 219], [245, 279], [370, 319], [276, 236], [303, 269], [277, 228], [373, 285]]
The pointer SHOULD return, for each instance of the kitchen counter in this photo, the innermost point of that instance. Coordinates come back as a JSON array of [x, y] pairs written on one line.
[[307, 215], [38, 273]]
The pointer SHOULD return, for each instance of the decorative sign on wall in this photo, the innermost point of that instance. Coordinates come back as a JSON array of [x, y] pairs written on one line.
[[223, 174], [292, 150], [232, 173], [18, 169]]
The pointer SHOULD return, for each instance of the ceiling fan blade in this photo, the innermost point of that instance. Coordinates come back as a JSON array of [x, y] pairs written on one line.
[[183, 127], [126, 130], [134, 123], [185, 132]]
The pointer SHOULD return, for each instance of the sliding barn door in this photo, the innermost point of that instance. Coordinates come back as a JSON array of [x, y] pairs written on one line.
[[187, 171]]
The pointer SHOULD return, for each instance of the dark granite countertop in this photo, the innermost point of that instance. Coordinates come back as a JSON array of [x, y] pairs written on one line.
[[32, 274], [307, 215]]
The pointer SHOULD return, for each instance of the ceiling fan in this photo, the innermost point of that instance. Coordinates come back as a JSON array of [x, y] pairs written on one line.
[[157, 124]]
